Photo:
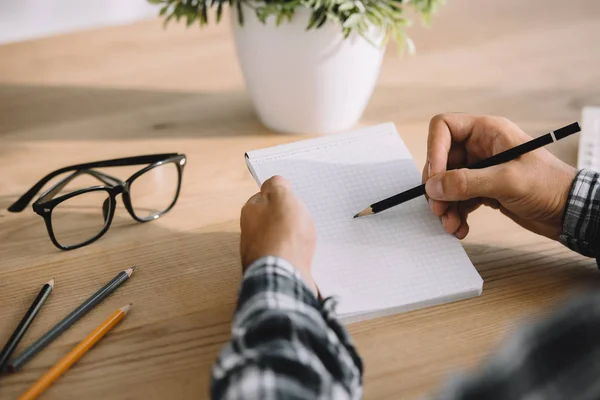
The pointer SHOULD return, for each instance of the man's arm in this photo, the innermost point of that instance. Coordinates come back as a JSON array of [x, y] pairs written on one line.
[[557, 358], [581, 226], [285, 344]]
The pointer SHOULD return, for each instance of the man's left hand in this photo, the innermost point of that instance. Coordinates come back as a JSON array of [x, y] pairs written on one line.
[[275, 222]]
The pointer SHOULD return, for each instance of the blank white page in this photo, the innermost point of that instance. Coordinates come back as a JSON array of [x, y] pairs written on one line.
[[589, 139], [393, 261]]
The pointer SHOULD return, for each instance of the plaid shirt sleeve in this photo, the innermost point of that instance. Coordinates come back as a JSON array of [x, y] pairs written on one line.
[[581, 226], [285, 343]]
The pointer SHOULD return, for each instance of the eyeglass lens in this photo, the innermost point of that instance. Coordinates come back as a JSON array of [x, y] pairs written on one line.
[[80, 218], [153, 192], [83, 217]]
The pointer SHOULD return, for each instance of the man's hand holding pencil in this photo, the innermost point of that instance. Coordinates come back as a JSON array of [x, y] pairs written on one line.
[[532, 189]]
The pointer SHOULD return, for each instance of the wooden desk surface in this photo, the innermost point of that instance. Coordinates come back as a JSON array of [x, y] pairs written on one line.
[[138, 89]]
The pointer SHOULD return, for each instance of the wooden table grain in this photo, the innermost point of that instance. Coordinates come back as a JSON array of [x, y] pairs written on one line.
[[139, 89]]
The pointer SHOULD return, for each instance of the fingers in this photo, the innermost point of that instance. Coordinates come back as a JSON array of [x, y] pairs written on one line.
[[467, 207], [456, 140], [275, 185], [279, 194], [425, 174], [463, 230], [463, 209], [492, 203], [256, 199], [451, 220], [457, 157], [495, 182], [455, 220], [444, 129], [438, 208], [443, 151]]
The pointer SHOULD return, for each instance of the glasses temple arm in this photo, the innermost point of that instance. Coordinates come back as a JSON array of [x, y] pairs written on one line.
[[54, 190], [22, 202]]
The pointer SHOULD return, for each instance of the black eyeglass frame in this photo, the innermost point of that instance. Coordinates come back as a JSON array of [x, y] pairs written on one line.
[[113, 188]]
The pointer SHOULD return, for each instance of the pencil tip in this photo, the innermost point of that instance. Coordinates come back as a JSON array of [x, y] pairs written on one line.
[[366, 211], [129, 271], [126, 308], [51, 283]]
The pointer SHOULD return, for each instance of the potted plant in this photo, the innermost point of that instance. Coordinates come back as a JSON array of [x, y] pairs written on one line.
[[310, 65]]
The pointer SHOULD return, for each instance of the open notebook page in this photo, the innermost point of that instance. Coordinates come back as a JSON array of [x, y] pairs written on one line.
[[589, 139], [394, 261]]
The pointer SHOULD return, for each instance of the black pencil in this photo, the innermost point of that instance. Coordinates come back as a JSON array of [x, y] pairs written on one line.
[[499, 158], [69, 320], [26, 321]]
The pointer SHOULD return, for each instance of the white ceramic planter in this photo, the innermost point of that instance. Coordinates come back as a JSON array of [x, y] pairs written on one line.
[[306, 82]]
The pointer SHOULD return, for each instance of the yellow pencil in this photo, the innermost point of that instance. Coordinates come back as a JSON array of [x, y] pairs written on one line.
[[74, 355]]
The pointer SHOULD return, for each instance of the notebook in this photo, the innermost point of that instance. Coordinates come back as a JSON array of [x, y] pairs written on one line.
[[589, 139], [395, 261]]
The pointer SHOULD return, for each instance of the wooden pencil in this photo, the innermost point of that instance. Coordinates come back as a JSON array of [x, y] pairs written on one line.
[[499, 158], [26, 321], [74, 355], [70, 319]]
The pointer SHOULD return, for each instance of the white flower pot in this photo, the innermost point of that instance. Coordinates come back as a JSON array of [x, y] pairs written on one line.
[[306, 82]]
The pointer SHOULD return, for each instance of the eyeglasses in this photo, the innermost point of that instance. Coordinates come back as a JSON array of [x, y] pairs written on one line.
[[81, 217]]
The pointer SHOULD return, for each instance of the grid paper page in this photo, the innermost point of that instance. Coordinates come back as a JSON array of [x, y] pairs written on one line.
[[589, 139], [397, 260]]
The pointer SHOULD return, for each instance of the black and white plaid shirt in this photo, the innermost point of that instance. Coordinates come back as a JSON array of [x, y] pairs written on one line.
[[287, 345]]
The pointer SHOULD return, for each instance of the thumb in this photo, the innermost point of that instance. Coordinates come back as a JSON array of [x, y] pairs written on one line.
[[275, 187], [463, 184]]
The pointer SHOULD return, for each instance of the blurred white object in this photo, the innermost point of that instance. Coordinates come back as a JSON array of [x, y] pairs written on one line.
[[589, 140], [29, 19], [303, 81]]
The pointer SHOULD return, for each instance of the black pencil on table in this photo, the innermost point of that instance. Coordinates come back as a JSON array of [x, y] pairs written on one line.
[[70, 319], [26, 321], [499, 158]]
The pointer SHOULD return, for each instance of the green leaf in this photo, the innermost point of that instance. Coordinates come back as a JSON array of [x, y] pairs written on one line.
[[280, 17], [190, 17], [352, 21], [169, 17], [219, 11], [346, 6], [359, 5], [178, 11], [240, 13], [316, 19], [204, 15]]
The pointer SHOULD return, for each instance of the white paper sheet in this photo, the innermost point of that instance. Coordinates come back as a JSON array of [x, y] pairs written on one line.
[[397, 260]]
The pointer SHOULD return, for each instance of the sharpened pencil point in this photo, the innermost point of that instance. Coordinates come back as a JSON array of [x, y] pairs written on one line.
[[51, 283], [126, 308], [366, 211], [129, 271]]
